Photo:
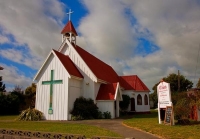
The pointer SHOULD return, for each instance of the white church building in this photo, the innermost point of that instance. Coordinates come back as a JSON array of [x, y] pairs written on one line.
[[71, 72]]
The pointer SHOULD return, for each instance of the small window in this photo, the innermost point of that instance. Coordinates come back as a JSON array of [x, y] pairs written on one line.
[[145, 99], [139, 100]]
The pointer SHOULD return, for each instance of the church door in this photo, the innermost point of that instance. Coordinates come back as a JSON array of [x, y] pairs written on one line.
[[132, 104]]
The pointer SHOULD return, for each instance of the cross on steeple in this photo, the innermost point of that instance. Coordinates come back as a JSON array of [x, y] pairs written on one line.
[[70, 12]]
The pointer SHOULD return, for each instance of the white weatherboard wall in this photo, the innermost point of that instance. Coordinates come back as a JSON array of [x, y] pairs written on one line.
[[78, 61], [143, 107], [138, 108], [60, 91], [74, 92], [107, 106]]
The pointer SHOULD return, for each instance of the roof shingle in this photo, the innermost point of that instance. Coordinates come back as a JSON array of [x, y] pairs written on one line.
[[99, 68], [107, 92], [133, 82]]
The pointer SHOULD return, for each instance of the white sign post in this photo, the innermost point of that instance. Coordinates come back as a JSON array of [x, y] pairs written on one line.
[[164, 98]]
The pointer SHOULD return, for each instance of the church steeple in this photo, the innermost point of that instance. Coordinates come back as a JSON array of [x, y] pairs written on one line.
[[69, 31]]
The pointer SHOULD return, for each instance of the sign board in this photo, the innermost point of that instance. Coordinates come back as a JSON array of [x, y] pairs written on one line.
[[168, 115], [164, 102], [164, 94]]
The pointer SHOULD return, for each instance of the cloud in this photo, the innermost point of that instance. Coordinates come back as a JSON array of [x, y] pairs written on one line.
[[106, 30], [35, 24], [173, 26], [21, 57], [111, 30], [13, 76], [3, 39]]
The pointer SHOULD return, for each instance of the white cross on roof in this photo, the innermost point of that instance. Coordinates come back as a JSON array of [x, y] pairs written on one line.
[[70, 12]]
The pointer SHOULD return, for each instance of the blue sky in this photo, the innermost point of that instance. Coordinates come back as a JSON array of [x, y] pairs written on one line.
[[149, 38]]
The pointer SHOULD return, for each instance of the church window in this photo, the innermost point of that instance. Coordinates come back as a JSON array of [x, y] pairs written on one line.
[[145, 99], [139, 100]]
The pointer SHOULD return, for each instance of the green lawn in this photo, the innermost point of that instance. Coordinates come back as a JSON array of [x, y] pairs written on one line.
[[149, 123], [7, 122]]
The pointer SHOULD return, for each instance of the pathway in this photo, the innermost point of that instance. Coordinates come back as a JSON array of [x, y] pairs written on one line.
[[117, 126]]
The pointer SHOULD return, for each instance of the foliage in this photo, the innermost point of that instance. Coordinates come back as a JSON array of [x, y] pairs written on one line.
[[100, 115], [31, 90], [2, 86], [30, 115], [198, 84], [85, 108], [182, 108], [185, 84], [75, 118], [125, 103], [9, 104], [106, 115], [31, 95]]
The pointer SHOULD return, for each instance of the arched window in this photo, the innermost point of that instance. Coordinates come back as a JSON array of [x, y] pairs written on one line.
[[145, 99], [139, 100]]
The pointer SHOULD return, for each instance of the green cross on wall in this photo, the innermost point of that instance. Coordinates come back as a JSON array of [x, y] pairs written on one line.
[[51, 82]]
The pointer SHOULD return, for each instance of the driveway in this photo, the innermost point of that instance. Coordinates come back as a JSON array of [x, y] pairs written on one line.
[[117, 126]]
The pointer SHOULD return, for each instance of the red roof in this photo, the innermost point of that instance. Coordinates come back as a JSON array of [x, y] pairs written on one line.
[[69, 28], [68, 64], [101, 70], [107, 91], [133, 82], [1, 68]]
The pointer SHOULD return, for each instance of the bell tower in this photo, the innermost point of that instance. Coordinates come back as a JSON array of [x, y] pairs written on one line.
[[69, 31]]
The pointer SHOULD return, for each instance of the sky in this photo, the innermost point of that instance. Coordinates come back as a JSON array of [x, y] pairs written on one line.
[[151, 39]]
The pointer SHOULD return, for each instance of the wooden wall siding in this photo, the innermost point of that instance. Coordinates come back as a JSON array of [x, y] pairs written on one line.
[[75, 89], [60, 97], [107, 106], [78, 61]]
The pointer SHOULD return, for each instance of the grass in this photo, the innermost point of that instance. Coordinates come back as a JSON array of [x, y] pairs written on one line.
[[8, 122], [149, 123]]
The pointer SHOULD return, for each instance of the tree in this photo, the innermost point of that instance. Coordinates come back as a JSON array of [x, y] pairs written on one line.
[[125, 103], [31, 89], [185, 84], [30, 93], [2, 86], [198, 84]]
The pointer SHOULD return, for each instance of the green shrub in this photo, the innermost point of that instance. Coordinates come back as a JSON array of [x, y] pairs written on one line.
[[106, 115], [100, 115], [30, 115], [85, 108], [125, 103], [75, 118]]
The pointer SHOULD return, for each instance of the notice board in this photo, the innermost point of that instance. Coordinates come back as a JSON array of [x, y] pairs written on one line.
[[168, 115]]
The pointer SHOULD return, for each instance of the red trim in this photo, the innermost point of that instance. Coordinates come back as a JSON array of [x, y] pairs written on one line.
[[68, 64], [133, 82], [69, 28], [100, 69], [107, 92]]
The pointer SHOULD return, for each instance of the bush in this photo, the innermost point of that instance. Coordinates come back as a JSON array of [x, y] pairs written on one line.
[[125, 103], [106, 115], [85, 108], [9, 104], [30, 115]]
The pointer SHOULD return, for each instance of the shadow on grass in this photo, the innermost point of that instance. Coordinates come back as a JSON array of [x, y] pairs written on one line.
[[129, 115]]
